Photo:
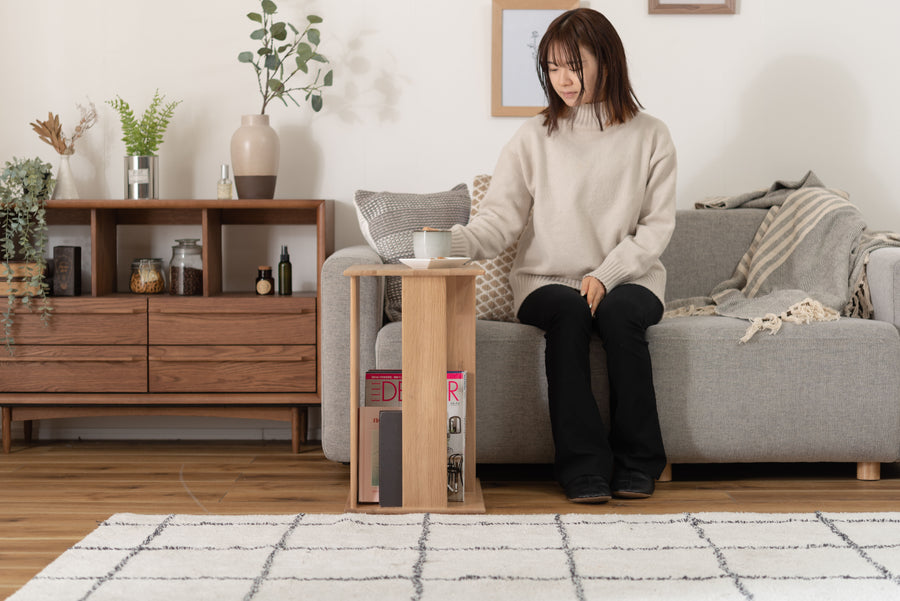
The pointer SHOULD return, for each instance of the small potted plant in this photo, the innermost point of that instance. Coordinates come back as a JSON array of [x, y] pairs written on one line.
[[285, 52], [142, 141], [25, 186]]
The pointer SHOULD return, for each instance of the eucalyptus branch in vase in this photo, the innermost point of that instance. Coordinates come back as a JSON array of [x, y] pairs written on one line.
[[277, 61]]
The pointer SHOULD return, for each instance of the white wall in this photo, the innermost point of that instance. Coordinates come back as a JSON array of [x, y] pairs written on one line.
[[780, 88]]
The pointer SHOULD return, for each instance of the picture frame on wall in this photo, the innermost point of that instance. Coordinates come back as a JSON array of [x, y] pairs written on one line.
[[518, 26], [702, 7]]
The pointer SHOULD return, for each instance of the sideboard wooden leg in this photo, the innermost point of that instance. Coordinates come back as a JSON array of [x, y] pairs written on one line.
[[295, 429], [868, 470], [304, 423], [28, 427], [666, 475], [7, 429]]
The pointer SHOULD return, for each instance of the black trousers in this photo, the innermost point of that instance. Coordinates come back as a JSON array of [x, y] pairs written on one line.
[[621, 320]]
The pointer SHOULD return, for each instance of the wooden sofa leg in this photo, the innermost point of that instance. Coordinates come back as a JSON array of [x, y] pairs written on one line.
[[868, 470], [666, 475]]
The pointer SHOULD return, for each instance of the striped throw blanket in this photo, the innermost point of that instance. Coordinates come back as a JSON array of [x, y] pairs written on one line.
[[806, 262]]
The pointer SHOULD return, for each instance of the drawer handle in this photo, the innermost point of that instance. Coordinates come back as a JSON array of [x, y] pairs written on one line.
[[205, 311], [15, 359], [230, 360]]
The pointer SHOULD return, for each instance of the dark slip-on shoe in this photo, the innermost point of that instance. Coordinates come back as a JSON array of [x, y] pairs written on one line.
[[588, 489], [632, 484]]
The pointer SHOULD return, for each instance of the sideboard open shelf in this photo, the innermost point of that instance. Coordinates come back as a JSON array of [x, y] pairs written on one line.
[[232, 354]]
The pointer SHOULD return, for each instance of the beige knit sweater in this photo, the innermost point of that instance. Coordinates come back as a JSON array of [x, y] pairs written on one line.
[[603, 200]]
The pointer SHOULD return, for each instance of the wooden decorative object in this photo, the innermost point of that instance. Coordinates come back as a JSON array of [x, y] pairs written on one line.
[[66, 271], [21, 274]]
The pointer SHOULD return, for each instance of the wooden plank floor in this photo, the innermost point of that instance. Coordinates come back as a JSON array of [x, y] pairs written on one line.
[[53, 494]]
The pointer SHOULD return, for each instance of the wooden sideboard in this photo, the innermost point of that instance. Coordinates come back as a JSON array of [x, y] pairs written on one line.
[[232, 354]]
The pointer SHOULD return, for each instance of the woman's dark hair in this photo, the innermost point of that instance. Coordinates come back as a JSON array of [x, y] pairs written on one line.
[[585, 27]]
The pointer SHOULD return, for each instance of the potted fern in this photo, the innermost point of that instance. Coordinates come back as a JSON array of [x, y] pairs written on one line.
[[142, 141], [25, 187]]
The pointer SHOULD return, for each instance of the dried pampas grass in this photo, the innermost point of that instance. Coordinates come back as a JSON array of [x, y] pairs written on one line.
[[50, 131]]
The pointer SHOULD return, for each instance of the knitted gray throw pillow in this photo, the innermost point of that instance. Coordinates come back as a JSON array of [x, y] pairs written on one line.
[[388, 219]]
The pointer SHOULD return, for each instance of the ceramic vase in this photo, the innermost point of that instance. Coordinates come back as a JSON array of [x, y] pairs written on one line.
[[255, 153], [65, 180]]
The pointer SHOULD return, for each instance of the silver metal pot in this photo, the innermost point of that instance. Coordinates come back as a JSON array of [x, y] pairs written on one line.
[[141, 177]]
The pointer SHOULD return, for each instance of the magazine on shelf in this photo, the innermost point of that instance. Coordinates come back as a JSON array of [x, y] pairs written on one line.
[[383, 391]]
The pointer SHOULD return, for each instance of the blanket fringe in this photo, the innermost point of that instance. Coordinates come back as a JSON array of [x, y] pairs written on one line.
[[804, 312], [690, 311]]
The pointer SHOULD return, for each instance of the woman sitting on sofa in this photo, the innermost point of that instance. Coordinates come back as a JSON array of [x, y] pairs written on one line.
[[598, 174]]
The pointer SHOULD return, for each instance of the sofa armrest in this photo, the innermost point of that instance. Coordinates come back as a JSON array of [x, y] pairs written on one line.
[[883, 272], [335, 343]]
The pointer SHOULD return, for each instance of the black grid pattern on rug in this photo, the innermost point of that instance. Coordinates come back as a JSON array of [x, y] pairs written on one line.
[[444, 557]]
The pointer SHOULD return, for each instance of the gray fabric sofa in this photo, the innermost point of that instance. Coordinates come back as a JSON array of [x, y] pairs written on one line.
[[823, 392]]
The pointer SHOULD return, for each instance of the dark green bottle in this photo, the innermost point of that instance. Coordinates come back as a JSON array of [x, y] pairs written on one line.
[[284, 273]]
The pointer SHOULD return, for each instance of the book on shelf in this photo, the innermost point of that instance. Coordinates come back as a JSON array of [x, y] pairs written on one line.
[[383, 391], [390, 458], [368, 480]]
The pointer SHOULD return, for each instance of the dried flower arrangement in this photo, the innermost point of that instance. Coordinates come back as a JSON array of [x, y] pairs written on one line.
[[50, 131]]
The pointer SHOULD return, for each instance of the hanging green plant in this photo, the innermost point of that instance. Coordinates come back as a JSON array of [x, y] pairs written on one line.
[[278, 59], [25, 187]]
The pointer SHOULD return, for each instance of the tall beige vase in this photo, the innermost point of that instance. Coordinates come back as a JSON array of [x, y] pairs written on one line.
[[254, 157]]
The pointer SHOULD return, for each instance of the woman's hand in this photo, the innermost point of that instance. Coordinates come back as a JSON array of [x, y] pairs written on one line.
[[593, 290]]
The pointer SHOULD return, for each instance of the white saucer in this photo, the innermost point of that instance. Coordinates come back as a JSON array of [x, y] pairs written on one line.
[[436, 263]]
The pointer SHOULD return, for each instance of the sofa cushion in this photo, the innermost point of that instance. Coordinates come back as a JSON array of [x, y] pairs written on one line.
[[784, 397], [718, 400], [388, 219], [705, 249], [493, 296]]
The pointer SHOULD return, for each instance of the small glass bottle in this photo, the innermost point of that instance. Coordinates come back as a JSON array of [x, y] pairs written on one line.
[[224, 186], [265, 284], [186, 268], [284, 273]]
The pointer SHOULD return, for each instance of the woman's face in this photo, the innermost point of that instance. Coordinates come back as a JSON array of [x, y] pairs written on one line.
[[564, 77]]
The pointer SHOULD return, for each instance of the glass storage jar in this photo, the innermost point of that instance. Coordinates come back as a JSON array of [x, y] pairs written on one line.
[[147, 276], [186, 268]]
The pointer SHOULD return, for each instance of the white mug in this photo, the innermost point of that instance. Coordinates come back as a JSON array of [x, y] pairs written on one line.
[[428, 244]]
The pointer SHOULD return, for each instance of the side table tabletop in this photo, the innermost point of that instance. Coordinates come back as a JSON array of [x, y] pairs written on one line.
[[438, 336]]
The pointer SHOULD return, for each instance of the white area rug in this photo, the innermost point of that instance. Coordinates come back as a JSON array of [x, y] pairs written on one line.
[[434, 557]]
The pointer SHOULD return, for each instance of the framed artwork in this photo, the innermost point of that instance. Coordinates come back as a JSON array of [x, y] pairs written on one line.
[[518, 26], [703, 7]]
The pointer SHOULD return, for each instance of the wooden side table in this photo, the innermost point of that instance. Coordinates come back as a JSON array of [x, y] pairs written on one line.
[[438, 336]]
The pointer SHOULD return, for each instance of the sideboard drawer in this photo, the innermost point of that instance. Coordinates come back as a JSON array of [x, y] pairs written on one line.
[[271, 368], [85, 320], [74, 368], [222, 320]]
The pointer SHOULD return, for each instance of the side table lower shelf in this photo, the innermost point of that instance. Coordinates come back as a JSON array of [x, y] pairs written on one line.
[[474, 504]]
